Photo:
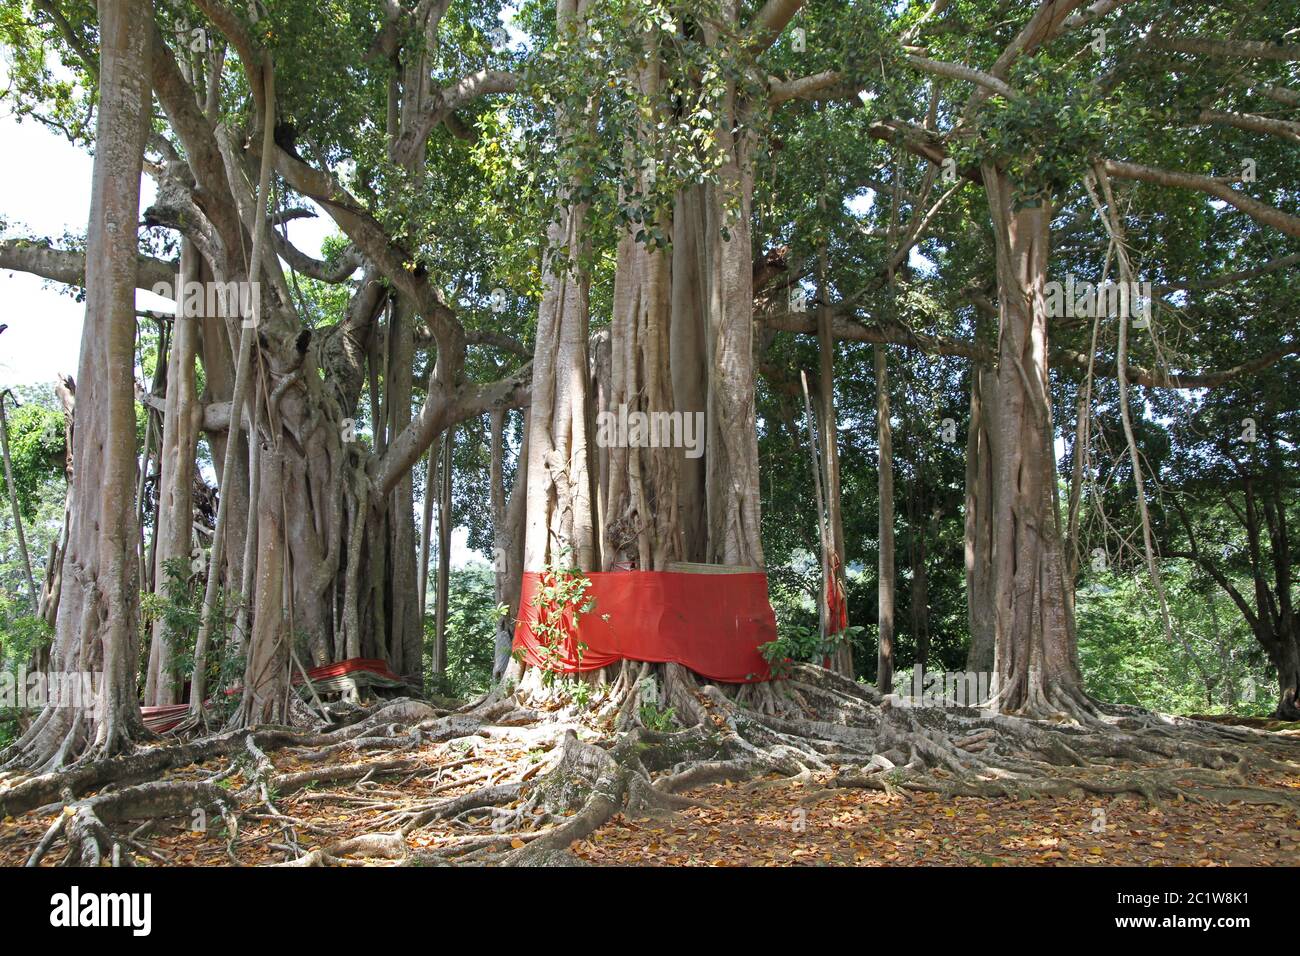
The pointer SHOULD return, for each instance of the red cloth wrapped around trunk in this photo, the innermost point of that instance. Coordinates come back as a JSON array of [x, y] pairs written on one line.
[[711, 623]]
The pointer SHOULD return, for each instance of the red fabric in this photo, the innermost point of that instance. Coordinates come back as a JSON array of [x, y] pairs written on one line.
[[325, 671], [711, 623], [162, 719], [836, 602]]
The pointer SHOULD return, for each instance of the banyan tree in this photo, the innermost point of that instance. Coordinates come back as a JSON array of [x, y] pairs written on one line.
[[558, 235]]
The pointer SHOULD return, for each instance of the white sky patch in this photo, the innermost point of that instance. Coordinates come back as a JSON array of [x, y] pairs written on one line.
[[921, 263], [517, 39], [309, 235], [860, 203], [45, 192]]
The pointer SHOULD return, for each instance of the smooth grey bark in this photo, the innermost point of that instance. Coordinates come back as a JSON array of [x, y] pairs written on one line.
[[173, 531], [979, 519], [560, 523], [885, 564], [198, 680], [97, 626], [842, 660], [1035, 654], [443, 596]]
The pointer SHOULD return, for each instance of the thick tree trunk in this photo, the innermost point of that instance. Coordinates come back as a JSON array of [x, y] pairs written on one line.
[[406, 638], [885, 565], [1285, 656], [640, 520], [687, 363], [980, 461], [443, 596], [681, 341], [173, 533], [842, 661], [507, 516], [1036, 666], [560, 520], [641, 523], [560, 516], [266, 669], [98, 619], [315, 479], [731, 482]]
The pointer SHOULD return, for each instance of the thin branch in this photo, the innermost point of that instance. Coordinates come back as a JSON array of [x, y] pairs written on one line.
[[1253, 123], [1250, 49], [817, 86], [1154, 378], [1228, 278], [63, 265], [1281, 94], [1260, 212], [959, 71]]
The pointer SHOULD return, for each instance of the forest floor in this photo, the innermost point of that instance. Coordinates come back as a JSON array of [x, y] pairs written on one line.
[[764, 823]]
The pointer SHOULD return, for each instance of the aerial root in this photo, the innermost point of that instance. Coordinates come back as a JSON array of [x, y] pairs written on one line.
[[964, 753], [386, 846], [84, 823], [410, 820], [813, 729], [876, 744], [1153, 784]]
